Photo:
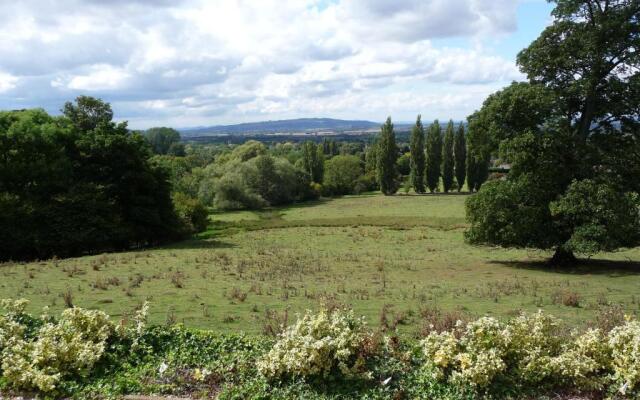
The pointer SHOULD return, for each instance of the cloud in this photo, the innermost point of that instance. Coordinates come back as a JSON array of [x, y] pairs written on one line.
[[196, 62], [7, 82]]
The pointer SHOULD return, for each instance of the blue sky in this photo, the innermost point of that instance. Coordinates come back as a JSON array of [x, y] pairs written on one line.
[[205, 62]]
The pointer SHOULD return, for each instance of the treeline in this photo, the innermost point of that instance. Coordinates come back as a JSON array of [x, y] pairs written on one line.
[[254, 175], [80, 183], [438, 160]]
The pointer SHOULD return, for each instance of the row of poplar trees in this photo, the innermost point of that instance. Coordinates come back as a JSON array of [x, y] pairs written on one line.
[[434, 155]]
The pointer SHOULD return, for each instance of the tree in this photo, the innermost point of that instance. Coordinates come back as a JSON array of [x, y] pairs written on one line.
[[342, 174], [403, 164], [78, 184], [164, 140], [88, 113], [569, 187], [417, 156], [589, 59], [434, 156], [386, 159], [330, 147], [313, 160], [460, 155], [192, 212], [447, 158]]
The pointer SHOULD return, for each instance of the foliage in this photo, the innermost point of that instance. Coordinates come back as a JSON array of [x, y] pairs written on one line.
[[624, 342], [434, 156], [164, 141], [570, 136], [589, 59], [417, 156], [247, 178], [460, 156], [448, 161], [326, 355], [403, 164], [596, 217], [387, 154], [193, 214], [529, 350], [313, 161], [78, 183], [342, 175], [59, 350], [321, 345]]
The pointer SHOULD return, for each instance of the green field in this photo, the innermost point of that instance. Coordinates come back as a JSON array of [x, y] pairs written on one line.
[[404, 253]]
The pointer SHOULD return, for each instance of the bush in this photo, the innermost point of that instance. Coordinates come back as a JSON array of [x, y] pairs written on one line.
[[42, 355], [341, 175], [529, 350], [67, 348], [232, 193], [624, 342], [192, 212], [321, 345]]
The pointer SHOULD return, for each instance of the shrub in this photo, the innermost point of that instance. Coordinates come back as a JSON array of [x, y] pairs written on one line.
[[232, 193], [321, 345], [530, 350], [66, 348], [584, 360], [624, 342], [342, 174], [192, 212], [42, 354]]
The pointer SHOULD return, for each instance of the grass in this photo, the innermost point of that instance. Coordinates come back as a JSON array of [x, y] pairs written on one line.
[[403, 254]]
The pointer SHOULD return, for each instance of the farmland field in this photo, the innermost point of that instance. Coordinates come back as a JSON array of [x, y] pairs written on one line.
[[403, 253]]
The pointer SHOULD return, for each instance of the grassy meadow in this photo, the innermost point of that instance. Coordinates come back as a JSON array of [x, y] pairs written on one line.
[[403, 254]]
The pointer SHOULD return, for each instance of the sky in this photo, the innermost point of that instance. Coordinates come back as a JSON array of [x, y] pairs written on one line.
[[209, 62]]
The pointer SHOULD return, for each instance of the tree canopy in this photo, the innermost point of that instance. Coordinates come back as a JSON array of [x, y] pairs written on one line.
[[78, 183], [572, 137]]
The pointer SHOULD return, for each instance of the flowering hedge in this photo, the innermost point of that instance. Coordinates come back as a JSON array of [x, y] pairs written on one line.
[[328, 343], [82, 353], [56, 349], [530, 350]]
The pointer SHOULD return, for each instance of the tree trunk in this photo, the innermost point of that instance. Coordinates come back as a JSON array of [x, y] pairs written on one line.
[[563, 258]]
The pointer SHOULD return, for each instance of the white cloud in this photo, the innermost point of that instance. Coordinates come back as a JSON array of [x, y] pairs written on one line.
[[7, 82], [198, 62], [101, 77]]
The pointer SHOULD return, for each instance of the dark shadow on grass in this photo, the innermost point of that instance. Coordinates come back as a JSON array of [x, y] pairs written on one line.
[[200, 243], [612, 268]]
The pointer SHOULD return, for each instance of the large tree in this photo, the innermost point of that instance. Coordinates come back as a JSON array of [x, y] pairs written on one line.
[[572, 137], [434, 156], [78, 183], [416, 146], [386, 159], [447, 158], [460, 155]]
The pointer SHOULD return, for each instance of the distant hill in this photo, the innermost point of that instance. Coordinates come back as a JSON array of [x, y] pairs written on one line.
[[300, 125]]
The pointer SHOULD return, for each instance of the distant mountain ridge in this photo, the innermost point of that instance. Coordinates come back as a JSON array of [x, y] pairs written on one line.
[[286, 125]]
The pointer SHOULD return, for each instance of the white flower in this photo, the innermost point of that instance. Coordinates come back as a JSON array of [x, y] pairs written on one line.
[[163, 368]]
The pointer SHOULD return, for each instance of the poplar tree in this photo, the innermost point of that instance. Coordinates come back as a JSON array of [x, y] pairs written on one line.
[[386, 159], [434, 156], [416, 162], [447, 158], [460, 155], [313, 160]]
